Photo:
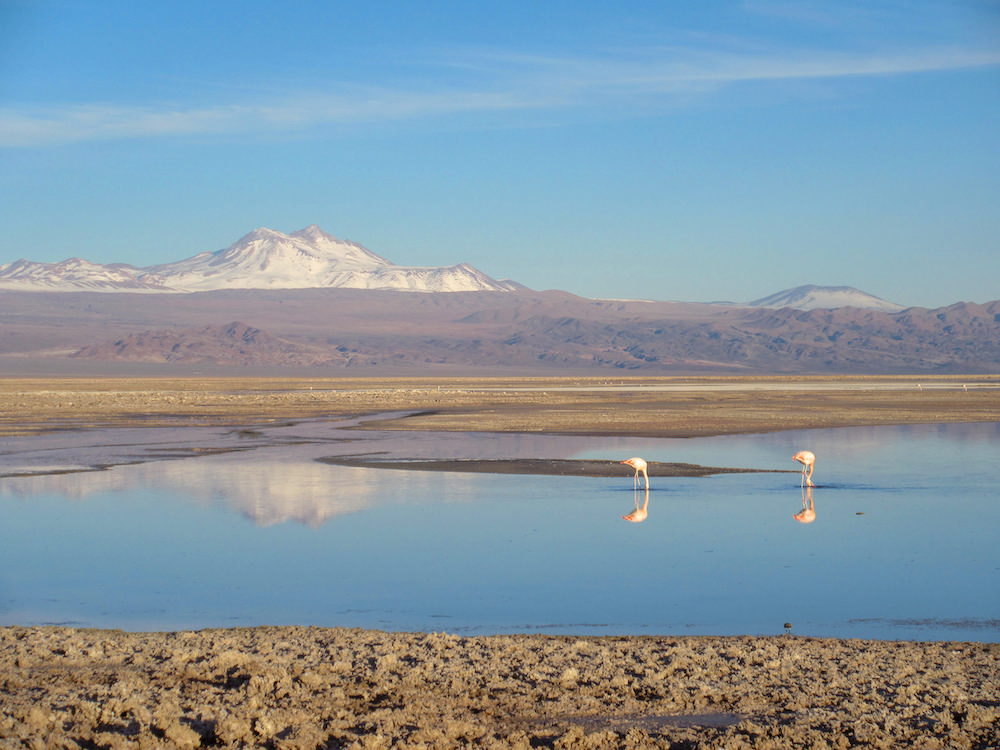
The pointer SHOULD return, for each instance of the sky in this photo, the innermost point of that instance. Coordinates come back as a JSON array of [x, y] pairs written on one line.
[[646, 149]]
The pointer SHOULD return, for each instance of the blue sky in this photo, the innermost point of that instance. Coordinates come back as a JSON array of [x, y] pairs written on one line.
[[666, 150]]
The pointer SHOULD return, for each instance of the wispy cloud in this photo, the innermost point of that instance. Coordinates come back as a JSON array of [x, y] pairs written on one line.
[[516, 84]]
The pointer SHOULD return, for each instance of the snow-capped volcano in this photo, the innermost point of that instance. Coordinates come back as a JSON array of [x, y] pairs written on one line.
[[263, 259], [811, 297], [271, 260]]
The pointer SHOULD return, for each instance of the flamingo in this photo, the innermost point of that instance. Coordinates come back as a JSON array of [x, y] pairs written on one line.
[[639, 514], [639, 465], [808, 461]]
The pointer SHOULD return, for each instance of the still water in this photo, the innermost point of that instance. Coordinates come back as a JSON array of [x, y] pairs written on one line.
[[905, 541]]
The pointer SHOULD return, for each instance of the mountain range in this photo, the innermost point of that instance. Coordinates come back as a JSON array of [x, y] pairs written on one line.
[[310, 303], [262, 259], [311, 259]]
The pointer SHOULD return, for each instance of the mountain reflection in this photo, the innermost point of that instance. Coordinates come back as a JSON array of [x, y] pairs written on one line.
[[268, 475], [269, 488]]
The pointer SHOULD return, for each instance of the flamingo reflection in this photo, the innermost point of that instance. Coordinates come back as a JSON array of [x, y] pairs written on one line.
[[639, 465], [639, 514], [808, 461], [808, 512]]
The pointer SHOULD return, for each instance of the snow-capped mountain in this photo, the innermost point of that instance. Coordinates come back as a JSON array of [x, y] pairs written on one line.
[[811, 297], [263, 259]]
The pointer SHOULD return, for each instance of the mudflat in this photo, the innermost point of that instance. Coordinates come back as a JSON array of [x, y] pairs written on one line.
[[296, 687], [647, 407]]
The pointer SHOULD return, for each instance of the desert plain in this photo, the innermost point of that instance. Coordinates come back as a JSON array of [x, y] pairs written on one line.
[[300, 687]]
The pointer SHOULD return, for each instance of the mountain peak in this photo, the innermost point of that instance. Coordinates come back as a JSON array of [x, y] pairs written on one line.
[[812, 297], [312, 232]]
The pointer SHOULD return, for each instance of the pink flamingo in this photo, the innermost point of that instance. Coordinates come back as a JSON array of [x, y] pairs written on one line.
[[808, 461], [639, 465]]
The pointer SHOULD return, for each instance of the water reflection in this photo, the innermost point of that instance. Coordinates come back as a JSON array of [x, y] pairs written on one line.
[[639, 514], [273, 487], [808, 512], [205, 541]]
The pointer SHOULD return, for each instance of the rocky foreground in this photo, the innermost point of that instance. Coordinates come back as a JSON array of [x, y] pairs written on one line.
[[297, 687]]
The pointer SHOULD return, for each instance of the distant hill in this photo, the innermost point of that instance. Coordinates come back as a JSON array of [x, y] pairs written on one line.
[[231, 344], [356, 331]]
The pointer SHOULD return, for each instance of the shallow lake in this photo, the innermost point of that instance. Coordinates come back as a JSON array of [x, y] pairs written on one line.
[[905, 541]]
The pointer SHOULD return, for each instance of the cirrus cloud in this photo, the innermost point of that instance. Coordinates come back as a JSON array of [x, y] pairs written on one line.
[[497, 84]]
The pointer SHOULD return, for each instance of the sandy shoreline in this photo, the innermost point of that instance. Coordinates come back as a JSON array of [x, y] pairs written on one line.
[[295, 687]]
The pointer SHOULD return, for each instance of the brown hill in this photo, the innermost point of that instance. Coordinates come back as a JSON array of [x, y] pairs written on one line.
[[233, 344], [384, 331]]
